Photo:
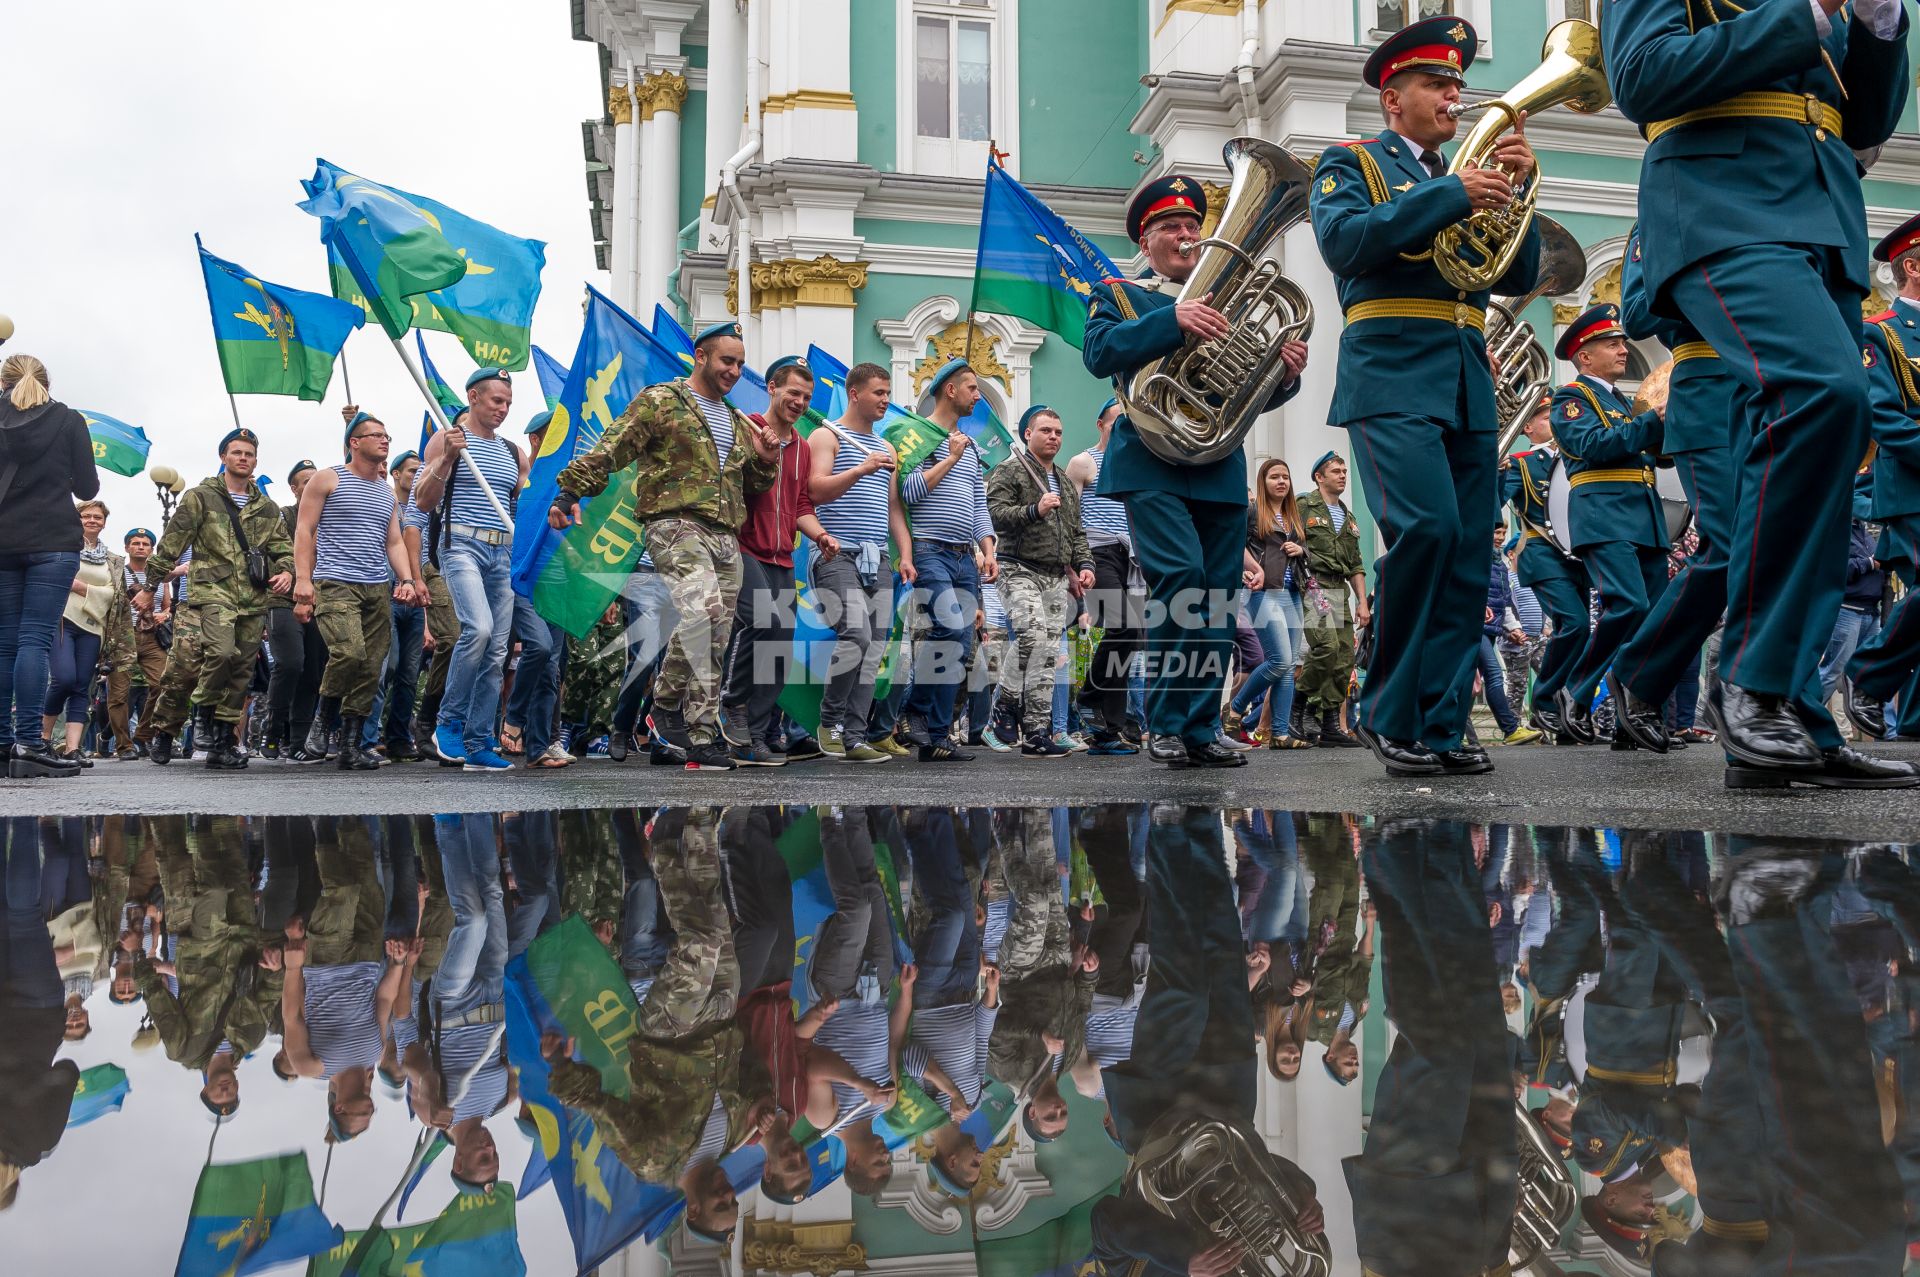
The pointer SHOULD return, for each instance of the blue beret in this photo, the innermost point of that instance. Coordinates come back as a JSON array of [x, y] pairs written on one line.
[[946, 1182], [139, 532], [785, 361], [1591, 324], [947, 370], [467, 1188], [1163, 197], [1107, 407], [1328, 455], [728, 329], [1038, 410], [298, 467], [488, 374], [358, 419], [540, 420], [240, 434], [454, 420], [396, 462], [1442, 46]]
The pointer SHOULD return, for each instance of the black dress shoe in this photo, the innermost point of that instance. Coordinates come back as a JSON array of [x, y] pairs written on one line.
[[1572, 721], [1676, 741], [1214, 754], [1463, 762], [1840, 768], [1170, 750], [25, 762], [1400, 759], [1762, 732], [1546, 720], [1868, 715], [1766, 884], [1634, 719]]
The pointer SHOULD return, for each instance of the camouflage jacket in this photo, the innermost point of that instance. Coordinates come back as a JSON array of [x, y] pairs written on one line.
[[218, 571], [655, 1129], [1048, 543], [222, 996], [678, 470], [1332, 556], [117, 645]]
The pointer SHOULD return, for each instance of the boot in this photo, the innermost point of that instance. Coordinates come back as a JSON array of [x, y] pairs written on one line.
[[1332, 735], [202, 735], [352, 757], [1298, 725], [323, 741], [160, 747], [223, 746]]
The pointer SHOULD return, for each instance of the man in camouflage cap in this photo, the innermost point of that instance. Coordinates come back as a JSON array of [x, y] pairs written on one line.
[[218, 629], [690, 496]]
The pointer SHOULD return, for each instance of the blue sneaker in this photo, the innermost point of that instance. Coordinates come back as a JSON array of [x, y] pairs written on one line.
[[1103, 746], [450, 745], [485, 760]]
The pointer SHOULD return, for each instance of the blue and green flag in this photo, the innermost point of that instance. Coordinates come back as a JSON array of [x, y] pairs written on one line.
[[1030, 263], [449, 399], [117, 446], [251, 1216], [273, 340], [102, 1090], [476, 1233], [912, 436], [571, 576], [552, 373]]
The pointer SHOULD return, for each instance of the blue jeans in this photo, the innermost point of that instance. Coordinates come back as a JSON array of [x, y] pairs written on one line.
[[1493, 676], [536, 680], [1275, 615], [70, 665], [33, 593], [479, 576], [1137, 690], [1849, 632], [403, 668], [476, 959], [949, 585]]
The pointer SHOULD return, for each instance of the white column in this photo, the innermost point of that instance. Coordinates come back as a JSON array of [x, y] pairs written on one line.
[[623, 230], [662, 94], [726, 95]]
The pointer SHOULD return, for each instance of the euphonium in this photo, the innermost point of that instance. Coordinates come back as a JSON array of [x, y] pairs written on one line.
[[1196, 404], [1475, 253], [1524, 367], [1548, 1196], [1208, 1175]]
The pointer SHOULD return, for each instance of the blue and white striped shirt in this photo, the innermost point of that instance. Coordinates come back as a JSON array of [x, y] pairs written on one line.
[[1526, 605], [1100, 514], [860, 513], [501, 465], [412, 516], [350, 541], [858, 1033], [342, 1031], [954, 1037], [719, 423], [991, 605], [955, 509]]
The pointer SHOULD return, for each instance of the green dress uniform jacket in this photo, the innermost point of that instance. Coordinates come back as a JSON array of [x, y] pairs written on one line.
[[1610, 458], [1700, 402], [1373, 204], [1524, 485], [218, 570]]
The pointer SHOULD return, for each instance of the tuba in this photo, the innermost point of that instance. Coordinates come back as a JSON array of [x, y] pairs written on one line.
[[1209, 1176], [1475, 253], [1196, 404], [1548, 1196], [1525, 366]]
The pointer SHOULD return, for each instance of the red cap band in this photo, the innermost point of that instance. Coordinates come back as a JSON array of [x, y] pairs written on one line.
[[1171, 204], [1904, 246], [1582, 338], [1423, 55]]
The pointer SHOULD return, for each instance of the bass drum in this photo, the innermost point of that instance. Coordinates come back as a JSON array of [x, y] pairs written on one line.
[[1674, 507]]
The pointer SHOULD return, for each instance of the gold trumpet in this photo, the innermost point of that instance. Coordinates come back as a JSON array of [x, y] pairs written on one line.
[[1474, 254]]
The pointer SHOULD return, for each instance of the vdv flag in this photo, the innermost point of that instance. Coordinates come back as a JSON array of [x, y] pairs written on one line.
[[251, 1216], [749, 394], [1030, 263], [449, 399], [912, 436], [384, 240], [552, 373], [117, 446], [476, 1233], [102, 1090], [273, 340], [571, 576]]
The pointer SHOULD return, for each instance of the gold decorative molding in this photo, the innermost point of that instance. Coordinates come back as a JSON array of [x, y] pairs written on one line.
[[794, 281], [619, 105], [951, 343], [1875, 304], [1221, 8], [733, 292], [808, 99], [661, 91], [1565, 313], [819, 1249], [1216, 193], [1607, 287]]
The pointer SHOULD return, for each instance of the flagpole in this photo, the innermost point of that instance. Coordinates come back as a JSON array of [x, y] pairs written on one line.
[[235, 405], [345, 375], [433, 407]]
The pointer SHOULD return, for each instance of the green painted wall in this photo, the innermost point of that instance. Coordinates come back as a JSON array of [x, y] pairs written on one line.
[[872, 78], [1079, 87], [695, 181]]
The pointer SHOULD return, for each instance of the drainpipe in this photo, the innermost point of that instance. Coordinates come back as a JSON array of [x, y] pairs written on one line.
[[1248, 64], [730, 171]]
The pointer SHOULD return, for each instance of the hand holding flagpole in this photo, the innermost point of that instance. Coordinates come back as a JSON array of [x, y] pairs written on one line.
[[441, 423]]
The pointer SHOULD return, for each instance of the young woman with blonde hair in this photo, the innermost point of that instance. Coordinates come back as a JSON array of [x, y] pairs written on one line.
[[1276, 539]]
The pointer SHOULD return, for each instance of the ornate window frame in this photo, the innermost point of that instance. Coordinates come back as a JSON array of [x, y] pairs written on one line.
[[1012, 344], [1003, 20]]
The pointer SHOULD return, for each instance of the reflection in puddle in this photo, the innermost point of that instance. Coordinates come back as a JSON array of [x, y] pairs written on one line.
[[1014, 1041]]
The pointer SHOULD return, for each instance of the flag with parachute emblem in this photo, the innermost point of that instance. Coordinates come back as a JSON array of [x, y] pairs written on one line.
[[1030, 263], [102, 1090], [476, 1233], [271, 339], [117, 446], [251, 1216]]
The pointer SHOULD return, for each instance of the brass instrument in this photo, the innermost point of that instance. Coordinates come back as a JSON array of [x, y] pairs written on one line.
[[1196, 405], [1524, 365], [1475, 253], [1208, 1175], [1548, 1196]]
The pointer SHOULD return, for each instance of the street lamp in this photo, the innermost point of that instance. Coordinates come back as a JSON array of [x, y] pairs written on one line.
[[168, 485], [6, 329]]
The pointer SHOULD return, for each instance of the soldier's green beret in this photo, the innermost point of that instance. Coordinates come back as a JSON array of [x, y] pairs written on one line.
[[707, 334], [488, 374], [239, 434]]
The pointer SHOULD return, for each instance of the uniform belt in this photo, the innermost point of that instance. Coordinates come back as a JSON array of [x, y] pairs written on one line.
[[1643, 477], [1799, 108], [1534, 534], [486, 536], [485, 1013], [1694, 350], [1666, 1075], [1459, 314]]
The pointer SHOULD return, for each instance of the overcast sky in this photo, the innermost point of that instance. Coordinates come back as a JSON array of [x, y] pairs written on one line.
[[132, 125]]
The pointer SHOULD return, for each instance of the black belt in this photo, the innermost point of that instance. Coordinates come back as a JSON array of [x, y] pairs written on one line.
[[952, 547]]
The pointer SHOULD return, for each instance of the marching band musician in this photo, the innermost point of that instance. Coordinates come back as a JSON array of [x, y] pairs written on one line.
[[1616, 523], [1769, 100], [1556, 578], [1189, 522], [1419, 407]]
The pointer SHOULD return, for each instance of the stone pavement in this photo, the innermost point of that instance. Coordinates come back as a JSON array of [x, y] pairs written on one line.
[[1537, 784]]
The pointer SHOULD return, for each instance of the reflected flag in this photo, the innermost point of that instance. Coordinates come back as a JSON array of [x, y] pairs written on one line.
[[476, 1233], [117, 446], [273, 340], [102, 1090], [552, 373], [1030, 263], [251, 1216]]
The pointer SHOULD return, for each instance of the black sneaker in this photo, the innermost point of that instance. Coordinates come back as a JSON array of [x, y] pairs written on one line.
[[944, 753], [913, 731], [733, 726], [709, 756], [670, 729], [758, 756], [1042, 747], [270, 750], [804, 749]]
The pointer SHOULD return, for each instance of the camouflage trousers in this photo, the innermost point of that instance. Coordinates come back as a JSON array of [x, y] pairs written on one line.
[[1329, 665], [595, 665], [348, 922], [356, 624], [701, 566], [211, 663], [698, 986], [444, 624], [206, 885], [1037, 936], [1039, 609]]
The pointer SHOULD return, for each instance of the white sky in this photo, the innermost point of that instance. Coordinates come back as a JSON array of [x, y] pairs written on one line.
[[132, 125]]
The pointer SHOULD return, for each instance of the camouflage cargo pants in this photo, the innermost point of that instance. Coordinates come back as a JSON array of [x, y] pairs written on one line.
[[701, 566], [698, 986], [214, 645], [1039, 608], [1037, 935], [444, 624], [348, 921], [356, 624], [1329, 665]]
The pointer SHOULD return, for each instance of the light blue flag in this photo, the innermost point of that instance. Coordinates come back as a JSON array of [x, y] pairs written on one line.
[[117, 446], [553, 376], [271, 339], [390, 250], [749, 394]]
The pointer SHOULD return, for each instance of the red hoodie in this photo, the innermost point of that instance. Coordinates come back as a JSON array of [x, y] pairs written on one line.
[[773, 516]]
